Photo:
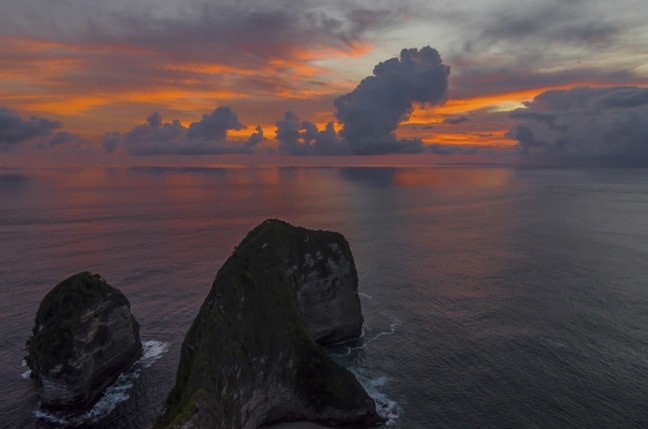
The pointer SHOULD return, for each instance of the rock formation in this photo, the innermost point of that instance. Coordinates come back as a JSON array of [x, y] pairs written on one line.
[[249, 358], [324, 275], [84, 337]]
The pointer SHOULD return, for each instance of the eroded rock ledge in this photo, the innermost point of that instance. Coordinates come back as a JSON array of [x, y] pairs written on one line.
[[249, 357], [84, 336]]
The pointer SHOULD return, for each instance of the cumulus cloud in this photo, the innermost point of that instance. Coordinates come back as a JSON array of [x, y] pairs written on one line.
[[15, 130], [214, 126], [597, 124], [255, 138], [323, 142], [111, 142], [63, 138], [372, 111], [287, 133], [305, 138], [205, 137]]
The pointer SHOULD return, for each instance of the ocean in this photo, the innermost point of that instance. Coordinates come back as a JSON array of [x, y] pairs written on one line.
[[493, 297]]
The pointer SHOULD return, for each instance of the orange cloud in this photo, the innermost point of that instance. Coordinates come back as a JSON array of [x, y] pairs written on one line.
[[76, 84], [428, 123]]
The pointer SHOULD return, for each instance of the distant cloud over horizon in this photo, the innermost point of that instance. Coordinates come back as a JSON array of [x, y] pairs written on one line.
[[15, 130], [371, 113], [373, 110], [601, 125], [205, 137], [304, 138], [35, 132], [103, 67]]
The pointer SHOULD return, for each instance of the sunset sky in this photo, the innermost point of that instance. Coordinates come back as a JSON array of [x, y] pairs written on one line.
[[144, 78]]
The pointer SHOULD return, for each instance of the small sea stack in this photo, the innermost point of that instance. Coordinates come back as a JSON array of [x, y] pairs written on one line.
[[84, 336], [250, 357]]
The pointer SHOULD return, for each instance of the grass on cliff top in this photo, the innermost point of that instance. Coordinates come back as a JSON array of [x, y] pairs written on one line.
[[60, 312], [67, 299]]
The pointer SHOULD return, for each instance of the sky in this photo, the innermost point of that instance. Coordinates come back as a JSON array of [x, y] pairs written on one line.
[[558, 80]]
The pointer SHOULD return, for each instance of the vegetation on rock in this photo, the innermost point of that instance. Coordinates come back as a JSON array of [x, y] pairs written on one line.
[[83, 337], [249, 358]]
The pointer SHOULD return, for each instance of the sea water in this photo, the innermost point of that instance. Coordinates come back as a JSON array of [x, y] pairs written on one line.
[[492, 297]]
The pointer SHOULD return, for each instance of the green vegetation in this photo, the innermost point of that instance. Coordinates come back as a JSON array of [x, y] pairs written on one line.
[[59, 314]]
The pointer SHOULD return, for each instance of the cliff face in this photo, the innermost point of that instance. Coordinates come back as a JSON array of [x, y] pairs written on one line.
[[322, 270], [249, 358], [84, 336]]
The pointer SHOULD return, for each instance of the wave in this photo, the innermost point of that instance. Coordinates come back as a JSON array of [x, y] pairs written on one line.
[[114, 395], [153, 350], [374, 385], [26, 375], [392, 330], [386, 407]]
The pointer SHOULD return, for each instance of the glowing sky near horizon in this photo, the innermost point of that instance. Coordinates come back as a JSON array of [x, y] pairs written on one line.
[[104, 67]]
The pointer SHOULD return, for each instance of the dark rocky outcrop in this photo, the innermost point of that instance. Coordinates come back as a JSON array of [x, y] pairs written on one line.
[[324, 275], [249, 358], [84, 337]]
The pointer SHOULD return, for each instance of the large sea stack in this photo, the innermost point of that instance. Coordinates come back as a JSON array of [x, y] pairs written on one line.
[[84, 337], [250, 359]]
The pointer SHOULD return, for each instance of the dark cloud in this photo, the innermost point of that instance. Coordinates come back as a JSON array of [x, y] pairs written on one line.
[[214, 126], [324, 142], [205, 137], [111, 142], [255, 138], [154, 137], [603, 125], [288, 134], [64, 138], [457, 120], [547, 118], [446, 149], [306, 139], [16, 130], [372, 111]]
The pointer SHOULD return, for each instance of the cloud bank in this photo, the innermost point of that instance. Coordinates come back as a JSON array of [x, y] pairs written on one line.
[[34, 132], [15, 130], [602, 125], [205, 137], [305, 138]]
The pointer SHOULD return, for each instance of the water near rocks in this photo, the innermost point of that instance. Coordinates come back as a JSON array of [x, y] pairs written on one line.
[[492, 297]]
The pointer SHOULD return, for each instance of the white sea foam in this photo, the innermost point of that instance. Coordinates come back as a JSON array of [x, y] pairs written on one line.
[[392, 330], [27, 374], [346, 351], [153, 350], [115, 394], [386, 407]]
